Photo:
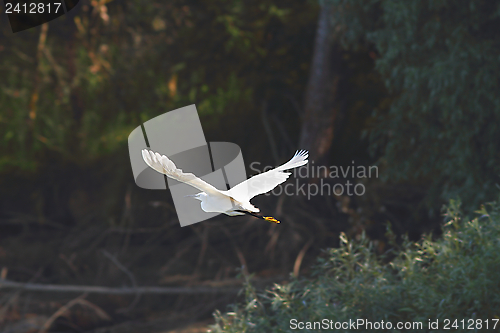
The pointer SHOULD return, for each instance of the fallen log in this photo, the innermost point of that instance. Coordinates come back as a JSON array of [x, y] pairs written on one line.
[[7, 284]]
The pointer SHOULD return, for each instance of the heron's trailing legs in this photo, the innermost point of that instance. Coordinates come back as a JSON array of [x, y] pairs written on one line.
[[267, 218]]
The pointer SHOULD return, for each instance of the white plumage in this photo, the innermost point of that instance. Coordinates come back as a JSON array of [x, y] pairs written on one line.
[[235, 201]]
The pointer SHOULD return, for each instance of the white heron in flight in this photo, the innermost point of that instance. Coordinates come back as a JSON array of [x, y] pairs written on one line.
[[235, 201]]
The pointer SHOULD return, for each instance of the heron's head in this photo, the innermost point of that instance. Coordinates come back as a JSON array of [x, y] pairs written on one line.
[[198, 196]]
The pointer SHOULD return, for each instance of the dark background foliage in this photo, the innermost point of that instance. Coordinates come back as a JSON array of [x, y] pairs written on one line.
[[411, 87]]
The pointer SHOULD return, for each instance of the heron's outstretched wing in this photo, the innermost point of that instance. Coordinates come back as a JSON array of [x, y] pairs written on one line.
[[163, 164], [266, 181]]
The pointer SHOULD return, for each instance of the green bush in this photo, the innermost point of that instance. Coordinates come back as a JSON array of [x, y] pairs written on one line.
[[439, 61], [456, 277]]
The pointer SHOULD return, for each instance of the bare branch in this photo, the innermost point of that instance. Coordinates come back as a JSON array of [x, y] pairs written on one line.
[[6, 284], [129, 274]]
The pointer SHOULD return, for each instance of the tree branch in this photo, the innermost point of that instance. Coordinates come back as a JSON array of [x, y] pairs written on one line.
[[6, 284]]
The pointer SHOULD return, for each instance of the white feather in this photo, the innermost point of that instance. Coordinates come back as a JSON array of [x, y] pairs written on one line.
[[237, 198]]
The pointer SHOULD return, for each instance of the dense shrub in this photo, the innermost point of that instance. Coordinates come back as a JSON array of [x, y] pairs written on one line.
[[439, 61], [453, 278]]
